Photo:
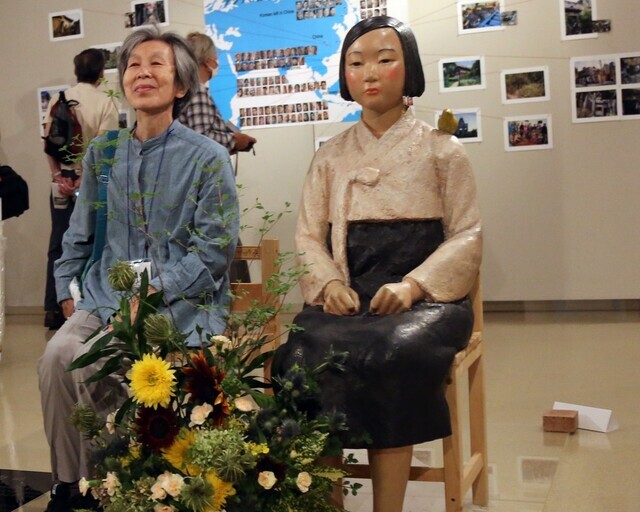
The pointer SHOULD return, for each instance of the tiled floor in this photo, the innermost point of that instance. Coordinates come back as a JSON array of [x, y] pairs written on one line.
[[532, 359]]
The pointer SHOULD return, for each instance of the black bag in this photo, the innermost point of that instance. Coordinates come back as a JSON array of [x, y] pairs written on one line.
[[14, 193], [64, 142]]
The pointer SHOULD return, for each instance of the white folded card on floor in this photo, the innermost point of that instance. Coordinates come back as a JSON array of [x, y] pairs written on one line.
[[591, 418]]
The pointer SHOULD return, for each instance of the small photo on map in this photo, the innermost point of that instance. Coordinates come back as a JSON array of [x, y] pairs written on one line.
[[315, 9], [474, 17]]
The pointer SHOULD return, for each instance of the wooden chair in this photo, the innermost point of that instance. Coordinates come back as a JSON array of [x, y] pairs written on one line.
[[246, 294], [459, 476]]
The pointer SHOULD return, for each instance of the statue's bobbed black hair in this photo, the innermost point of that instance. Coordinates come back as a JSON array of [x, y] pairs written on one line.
[[414, 75]]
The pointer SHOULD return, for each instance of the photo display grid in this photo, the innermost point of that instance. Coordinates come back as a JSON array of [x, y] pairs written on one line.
[[605, 87]]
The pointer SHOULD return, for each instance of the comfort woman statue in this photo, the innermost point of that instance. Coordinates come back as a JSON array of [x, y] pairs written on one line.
[[390, 230]]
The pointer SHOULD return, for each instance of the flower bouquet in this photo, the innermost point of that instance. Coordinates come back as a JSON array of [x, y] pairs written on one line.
[[200, 430]]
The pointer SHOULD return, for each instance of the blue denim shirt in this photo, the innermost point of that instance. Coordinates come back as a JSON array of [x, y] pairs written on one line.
[[171, 199]]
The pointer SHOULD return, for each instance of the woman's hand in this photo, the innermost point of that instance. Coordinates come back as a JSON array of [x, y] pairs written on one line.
[[396, 297], [341, 300], [68, 307]]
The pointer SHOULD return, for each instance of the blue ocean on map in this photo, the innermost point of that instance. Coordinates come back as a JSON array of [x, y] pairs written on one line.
[[279, 60]]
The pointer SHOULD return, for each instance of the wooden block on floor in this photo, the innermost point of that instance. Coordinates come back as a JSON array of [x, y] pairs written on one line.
[[560, 420]]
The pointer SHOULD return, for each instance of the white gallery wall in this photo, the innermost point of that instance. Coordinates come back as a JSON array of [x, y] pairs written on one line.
[[560, 224]]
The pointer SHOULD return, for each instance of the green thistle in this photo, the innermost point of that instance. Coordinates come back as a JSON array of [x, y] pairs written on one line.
[[85, 420], [159, 330], [224, 451], [122, 277], [196, 493]]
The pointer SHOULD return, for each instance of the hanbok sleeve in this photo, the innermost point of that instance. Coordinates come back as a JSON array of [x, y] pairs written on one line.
[[311, 233], [449, 272]]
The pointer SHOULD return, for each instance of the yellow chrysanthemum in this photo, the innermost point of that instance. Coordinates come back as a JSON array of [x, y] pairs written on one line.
[[176, 453], [221, 491], [152, 381]]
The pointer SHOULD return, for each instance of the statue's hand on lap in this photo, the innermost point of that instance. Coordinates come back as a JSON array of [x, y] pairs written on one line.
[[339, 299], [396, 297]]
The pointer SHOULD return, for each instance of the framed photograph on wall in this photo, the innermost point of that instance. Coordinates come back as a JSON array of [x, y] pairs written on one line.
[[630, 68], [110, 52], [595, 84], [596, 71], [150, 13], [631, 103], [474, 17], [44, 98], [576, 19], [526, 133], [65, 25], [524, 85], [469, 125], [461, 74], [595, 105]]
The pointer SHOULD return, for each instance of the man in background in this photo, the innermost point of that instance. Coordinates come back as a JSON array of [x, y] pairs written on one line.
[[96, 113], [201, 114]]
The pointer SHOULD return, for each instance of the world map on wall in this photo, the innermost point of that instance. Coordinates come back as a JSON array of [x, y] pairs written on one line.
[[279, 59]]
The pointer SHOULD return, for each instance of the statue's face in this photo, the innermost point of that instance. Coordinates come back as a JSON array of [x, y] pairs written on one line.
[[374, 70]]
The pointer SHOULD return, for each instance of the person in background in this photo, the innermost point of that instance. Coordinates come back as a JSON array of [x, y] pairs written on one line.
[[389, 232], [202, 115], [96, 113], [165, 187]]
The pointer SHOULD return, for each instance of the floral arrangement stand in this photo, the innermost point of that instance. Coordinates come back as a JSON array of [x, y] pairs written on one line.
[[199, 432]]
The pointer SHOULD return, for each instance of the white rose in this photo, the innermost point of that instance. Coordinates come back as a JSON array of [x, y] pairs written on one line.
[[111, 483], [161, 507], [111, 423], [222, 340], [245, 404], [199, 414], [83, 486], [173, 484], [157, 492], [267, 479], [303, 481]]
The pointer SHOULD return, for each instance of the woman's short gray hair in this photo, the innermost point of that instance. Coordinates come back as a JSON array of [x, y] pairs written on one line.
[[185, 61]]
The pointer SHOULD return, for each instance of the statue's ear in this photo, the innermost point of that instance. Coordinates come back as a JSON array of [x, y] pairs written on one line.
[[448, 122]]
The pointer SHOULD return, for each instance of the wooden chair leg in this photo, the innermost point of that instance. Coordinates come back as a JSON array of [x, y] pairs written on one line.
[[478, 434], [452, 451]]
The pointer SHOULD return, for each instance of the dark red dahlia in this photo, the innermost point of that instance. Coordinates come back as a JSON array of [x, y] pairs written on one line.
[[203, 384], [157, 428]]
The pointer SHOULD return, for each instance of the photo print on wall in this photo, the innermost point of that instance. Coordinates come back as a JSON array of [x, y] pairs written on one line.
[[474, 17], [525, 85], [526, 133], [461, 74], [606, 87], [469, 125], [576, 19], [65, 25]]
